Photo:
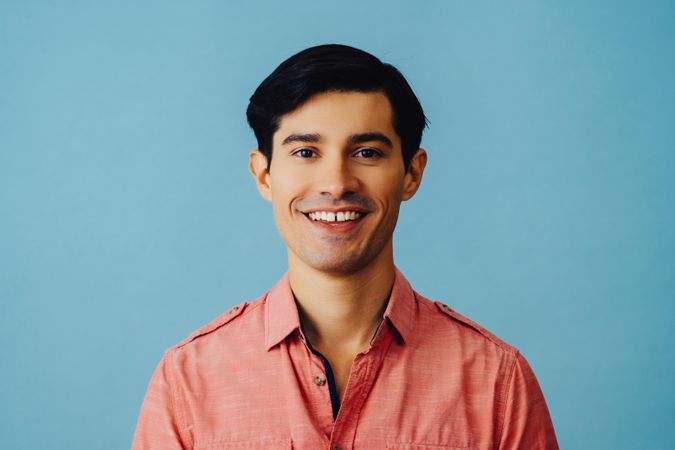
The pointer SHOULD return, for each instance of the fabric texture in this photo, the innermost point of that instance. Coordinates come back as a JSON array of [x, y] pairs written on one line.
[[431, 379]]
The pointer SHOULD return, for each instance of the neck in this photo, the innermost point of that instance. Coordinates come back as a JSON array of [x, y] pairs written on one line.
[[341, 312]]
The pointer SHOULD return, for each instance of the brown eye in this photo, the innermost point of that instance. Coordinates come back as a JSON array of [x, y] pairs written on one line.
[[305, 153], [368, 153]]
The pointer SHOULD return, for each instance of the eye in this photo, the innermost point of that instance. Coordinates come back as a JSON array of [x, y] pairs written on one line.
[[368, 153], [304, 153]]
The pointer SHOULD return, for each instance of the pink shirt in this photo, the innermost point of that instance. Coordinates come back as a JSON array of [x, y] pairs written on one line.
[[431, 379]]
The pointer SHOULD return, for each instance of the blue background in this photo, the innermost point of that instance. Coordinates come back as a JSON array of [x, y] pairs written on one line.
[[128, 217]]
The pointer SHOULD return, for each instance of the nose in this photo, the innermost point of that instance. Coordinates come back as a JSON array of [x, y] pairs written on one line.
[[337, 178]]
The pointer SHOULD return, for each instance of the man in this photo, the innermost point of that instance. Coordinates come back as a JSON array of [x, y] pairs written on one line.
[[342, 353]]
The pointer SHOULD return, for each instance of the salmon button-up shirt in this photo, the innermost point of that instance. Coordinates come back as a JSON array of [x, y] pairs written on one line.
[[430, 380]]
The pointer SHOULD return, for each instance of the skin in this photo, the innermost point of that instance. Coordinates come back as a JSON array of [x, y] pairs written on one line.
[[341, 280]]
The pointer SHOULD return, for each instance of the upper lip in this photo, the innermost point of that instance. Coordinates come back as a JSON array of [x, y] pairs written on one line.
[[358, 209]]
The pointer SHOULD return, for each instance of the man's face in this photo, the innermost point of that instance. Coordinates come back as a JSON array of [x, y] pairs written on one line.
[[337, 179]]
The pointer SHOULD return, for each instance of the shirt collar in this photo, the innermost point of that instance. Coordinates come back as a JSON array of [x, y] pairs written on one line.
[[281, 312]]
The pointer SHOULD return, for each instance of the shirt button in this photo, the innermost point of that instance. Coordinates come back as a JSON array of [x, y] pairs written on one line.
[[319, 380]]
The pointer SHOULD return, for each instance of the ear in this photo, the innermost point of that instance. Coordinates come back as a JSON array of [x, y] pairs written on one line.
[[257, 164], [413, 178]]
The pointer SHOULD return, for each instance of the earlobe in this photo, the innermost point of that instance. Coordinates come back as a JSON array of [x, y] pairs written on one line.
[[413, 178], [257, 165]]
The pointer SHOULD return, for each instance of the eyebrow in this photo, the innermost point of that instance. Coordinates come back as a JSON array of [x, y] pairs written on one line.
[[358, 138], [370, 137], [314, 137]]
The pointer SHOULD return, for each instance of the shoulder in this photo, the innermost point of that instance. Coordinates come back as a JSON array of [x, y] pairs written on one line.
[[467, 328], [236, 315]]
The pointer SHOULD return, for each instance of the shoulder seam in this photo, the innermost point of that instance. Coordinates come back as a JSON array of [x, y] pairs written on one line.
[[470, 323], [212, 326]]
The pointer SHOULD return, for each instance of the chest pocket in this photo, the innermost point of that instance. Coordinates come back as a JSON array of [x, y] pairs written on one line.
[[276, 444]]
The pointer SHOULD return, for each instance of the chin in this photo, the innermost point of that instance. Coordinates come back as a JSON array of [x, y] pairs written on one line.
[[340, 265], [340, 261]]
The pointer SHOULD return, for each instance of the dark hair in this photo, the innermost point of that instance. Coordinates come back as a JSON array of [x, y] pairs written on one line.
[[334, 67]]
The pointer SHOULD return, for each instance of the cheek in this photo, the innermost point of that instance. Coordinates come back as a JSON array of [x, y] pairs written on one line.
[[284, 189], [387, 187], [281, 187]]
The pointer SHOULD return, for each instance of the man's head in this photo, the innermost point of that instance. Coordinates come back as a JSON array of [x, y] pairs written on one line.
[[327, 68], [336, 130]]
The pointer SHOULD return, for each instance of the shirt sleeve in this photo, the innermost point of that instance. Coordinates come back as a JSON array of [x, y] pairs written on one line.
[[159, 423], [527, 423]]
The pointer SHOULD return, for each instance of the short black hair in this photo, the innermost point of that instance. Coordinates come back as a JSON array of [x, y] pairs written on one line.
[[327, 68]]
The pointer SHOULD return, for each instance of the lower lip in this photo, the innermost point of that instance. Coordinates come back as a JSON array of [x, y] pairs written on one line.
[[336, 227]]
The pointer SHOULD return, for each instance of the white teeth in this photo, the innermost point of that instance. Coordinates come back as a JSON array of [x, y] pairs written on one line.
[[329, 216]]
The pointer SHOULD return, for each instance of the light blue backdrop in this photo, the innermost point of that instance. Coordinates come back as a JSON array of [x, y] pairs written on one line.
[[128, 217]]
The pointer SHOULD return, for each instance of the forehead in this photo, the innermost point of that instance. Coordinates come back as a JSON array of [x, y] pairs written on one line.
[[339, 114]]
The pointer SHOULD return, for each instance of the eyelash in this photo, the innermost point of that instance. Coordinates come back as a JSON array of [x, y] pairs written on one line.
[[376, 153]]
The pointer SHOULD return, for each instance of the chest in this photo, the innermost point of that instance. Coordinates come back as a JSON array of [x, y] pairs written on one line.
[[389, 400]]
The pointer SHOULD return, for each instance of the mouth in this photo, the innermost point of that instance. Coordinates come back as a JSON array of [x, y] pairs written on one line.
[[332, 217], [336, 221]]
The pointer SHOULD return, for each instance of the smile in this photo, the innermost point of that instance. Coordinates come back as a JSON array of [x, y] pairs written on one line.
[[329, 216]]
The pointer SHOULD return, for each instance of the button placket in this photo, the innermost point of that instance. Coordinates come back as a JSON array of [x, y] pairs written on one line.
[[359, 385]]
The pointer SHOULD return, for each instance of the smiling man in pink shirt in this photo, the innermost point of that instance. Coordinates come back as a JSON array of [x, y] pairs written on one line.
[[342, 353]]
